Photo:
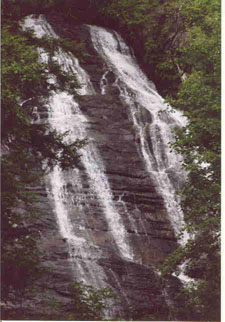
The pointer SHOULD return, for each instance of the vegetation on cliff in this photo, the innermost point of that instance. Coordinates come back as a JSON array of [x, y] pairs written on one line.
[[181, 53], [28, 148], [182, 41], [26, 144], [179, 40], [199, 143]]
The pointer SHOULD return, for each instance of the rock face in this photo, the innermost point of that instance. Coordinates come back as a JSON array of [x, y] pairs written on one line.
[[117, 226]]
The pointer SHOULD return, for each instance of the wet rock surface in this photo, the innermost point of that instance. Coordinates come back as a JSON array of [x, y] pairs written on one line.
[[141, 208]]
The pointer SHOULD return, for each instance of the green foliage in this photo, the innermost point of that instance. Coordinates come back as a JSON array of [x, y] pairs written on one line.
[[130, 12], [85, 303], [88, 303], [199, 143], [14, 10], [26, 144], [178, 38], [153, 26], [182, 39]]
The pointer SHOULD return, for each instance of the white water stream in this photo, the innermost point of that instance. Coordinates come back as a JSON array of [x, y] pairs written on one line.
[[139, 93], [65, 115]]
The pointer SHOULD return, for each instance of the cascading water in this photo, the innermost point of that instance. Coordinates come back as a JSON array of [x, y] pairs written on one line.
[[96, 221], [139, 93], [65, 115]]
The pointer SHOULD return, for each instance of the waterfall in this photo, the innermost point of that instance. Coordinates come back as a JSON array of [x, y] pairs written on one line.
[[140, 94], [65, 115], [93, 217]]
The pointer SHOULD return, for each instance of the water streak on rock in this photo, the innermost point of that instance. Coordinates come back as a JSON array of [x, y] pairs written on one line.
[[115, 212], [153, 138]]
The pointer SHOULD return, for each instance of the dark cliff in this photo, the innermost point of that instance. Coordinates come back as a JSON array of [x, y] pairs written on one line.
[[135, 197]]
